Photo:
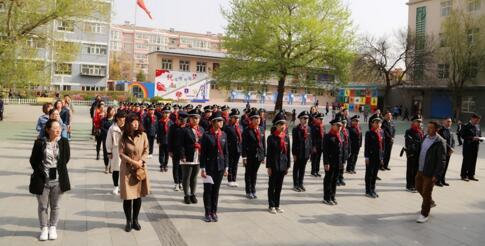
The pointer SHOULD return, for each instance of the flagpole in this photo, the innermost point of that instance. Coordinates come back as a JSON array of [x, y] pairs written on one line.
[[134, 38]]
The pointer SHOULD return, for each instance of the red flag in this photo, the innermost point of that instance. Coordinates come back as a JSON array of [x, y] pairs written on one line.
[[141, 4]]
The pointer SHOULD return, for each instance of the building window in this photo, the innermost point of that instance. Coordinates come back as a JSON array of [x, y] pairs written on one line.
[[95, 49], [471, 35], [474, 5], [115, 35], [443, 71], [65, 25], [93, 70], [446, 8], [94, 27], [35, 43], [2, 7], [141, 46], [468, 105], [115, 45], [139, 36], [63, 68], [167, 64], [66, 87], [201, 67], [184, 66]]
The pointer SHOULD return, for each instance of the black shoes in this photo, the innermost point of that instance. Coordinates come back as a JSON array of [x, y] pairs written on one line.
[[214, 217], [439, 184], [136, 225], [186, 199], [327, 202], [377, 178], [342, 183], [302, 188], [128, 226], [473, 179], [193, 199], [334, 201], [465, 179], [445, 184], [207, 218], [388, 169]]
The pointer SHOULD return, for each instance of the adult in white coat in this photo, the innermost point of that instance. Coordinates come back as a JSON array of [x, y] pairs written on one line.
[[112, 146]]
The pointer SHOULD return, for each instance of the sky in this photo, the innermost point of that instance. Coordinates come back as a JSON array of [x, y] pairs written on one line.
[[373, 17]]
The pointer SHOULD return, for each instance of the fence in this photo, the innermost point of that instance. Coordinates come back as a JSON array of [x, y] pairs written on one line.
[[41, 100]]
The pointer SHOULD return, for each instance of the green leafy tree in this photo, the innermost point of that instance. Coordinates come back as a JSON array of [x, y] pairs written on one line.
[[462, 52], [28, 38], [285, 39], [140, 76]]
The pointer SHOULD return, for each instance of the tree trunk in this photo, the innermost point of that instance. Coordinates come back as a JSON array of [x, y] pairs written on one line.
[[387, 92], [458, 103], [281, 91]]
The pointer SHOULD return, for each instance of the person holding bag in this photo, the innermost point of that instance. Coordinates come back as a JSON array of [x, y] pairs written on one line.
[[134, 181], [50, 178]]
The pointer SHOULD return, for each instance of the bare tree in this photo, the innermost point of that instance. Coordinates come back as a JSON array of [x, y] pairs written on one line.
[[393, 60]]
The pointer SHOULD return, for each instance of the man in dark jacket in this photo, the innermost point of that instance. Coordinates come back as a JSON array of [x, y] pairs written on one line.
[[389, 132], [332, 159], [163, 128], [301, 150], [471, 135], [445, 132], [374, 156], [234, 143], [175, 134], [355, 134], [432, 160], [205, 119], [253, 152], [413, 138], [318, 133], [150, 125]]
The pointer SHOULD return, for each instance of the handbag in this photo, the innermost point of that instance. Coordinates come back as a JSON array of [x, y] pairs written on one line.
[[140, 174]]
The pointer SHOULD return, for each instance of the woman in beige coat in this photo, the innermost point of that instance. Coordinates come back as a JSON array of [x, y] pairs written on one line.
[[112, 147], [133, 153]]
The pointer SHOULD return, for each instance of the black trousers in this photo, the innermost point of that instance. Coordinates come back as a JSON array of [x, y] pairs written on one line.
[[99, 142], [411, 171], [340, 176], [163, 155], [443, 177], [387, 153], [460, 142], [176, 170], [275, 184], [211, 192], [105, 153], [470, 153], [151, 142], [315, 158], [251, 175], [127, 208], [232, 169], [371, 171], [299, 171], [352, 161], [116, 177], [1, 115], [330, 182]]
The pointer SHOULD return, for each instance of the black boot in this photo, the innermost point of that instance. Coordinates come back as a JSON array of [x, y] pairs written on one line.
[[187, 199], [193, 199], [136, 225], [97, 156], [128, 226]]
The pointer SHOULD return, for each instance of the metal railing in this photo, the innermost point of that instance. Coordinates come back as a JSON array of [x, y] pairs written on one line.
[[36, 101]]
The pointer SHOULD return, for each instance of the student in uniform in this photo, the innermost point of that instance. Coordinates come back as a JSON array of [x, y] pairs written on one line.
[[318, 133], [163, 128], [374, 156], [205, 120], [355, 134], [150, 125], [471, 135], [277, 162], [346, 150], [301, 150], [389, 130], [214, 160], [175, 133], [234, 142], [445, 132], [413, 138], [332, 159], [190, 148], [253, 152]]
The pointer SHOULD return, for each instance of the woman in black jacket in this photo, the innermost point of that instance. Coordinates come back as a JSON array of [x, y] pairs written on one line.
[[277, 162], [50, 179], [106, 123]]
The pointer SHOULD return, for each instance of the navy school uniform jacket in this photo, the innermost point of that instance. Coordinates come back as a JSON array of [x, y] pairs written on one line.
[[302, 148], [187, 143], [317, 139], [234, 144], [333, 151], [355, 138], [276, 159], [162, 135], [210, 158], [150, 125], [372, 150], [251, 148], [174, 135]]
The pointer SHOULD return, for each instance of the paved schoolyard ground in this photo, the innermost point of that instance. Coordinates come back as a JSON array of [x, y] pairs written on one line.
[[92, 216]]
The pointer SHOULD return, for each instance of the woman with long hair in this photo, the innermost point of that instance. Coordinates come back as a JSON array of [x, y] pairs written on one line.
[[106, 123], [50, 178], [134, 181], [112, 147], [98, 116]]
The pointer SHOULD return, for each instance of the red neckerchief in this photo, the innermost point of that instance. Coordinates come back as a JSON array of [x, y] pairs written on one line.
[[238, 132], [225, 115], [357, 128], [218, 135], [281, 135], [152, 118], [165, 123], [305, 131], [379, 137], [320, 126], [198, 135], [336, 134], [346, 134], [256, 132], [417, 129]]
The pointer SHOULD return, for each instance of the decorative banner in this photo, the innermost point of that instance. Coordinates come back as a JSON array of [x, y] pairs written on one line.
[[351, 107], [357, 100], [182, 85], [346, 105], [373, 101], [347, 92]]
